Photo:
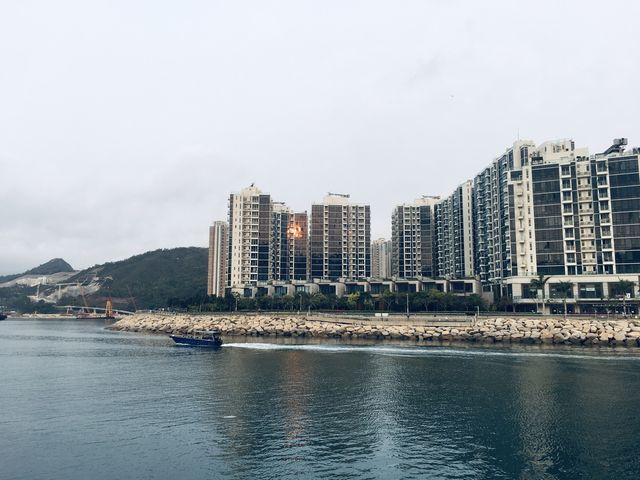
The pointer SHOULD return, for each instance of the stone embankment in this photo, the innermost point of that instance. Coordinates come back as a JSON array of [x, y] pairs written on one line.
[[485, 330]]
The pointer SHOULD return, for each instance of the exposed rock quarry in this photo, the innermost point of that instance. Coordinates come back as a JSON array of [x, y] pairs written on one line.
[[485, 330]]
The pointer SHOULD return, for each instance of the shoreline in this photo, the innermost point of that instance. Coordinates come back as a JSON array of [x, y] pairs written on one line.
[[505, 330]]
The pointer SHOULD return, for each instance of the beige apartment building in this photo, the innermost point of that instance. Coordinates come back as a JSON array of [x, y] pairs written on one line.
[[218, 249]]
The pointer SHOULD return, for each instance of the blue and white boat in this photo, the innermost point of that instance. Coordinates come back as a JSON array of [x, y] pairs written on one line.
[[199, 339]]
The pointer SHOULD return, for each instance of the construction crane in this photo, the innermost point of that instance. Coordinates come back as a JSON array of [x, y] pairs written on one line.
[[108, 311]]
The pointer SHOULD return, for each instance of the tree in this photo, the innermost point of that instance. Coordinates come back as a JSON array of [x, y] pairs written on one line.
[[247, 303], [386, 298], [236, 300], [354, 300], [538, 284], [287, 302], [564, 289], [301, 300], [419, 301], [435, 299], [620, 289], [264, 302], [474, 302], [504, 304], [318, 301], [366, 301]]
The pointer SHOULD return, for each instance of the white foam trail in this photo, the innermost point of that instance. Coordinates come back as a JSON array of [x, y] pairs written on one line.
[[229, 416], [427, 351]]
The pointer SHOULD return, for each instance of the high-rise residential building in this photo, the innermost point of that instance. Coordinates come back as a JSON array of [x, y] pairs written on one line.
[[413, 236], [575, 214], [492, 223], [289, 244], [340, 239], [519, 204], [381, 258], [218, 250], [298, 239], [280, 242], [250, 237], [554, 210], [454, 237]]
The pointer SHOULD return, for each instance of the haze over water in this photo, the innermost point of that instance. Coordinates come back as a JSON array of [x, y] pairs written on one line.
[[80, 402]]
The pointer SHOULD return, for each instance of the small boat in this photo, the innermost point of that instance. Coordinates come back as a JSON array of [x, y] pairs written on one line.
[[199, 339], [3, 316]]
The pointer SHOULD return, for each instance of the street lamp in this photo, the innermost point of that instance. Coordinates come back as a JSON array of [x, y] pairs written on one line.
[[407, 306]]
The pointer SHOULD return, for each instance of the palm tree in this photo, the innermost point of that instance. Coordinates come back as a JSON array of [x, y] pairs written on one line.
[[538, 284], [564, 289]]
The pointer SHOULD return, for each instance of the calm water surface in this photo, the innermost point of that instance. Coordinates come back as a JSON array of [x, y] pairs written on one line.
[[81, 402]]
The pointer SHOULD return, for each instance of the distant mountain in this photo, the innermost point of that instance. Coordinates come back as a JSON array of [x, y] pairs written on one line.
[[148, 280], [143, 281], [56, 265]]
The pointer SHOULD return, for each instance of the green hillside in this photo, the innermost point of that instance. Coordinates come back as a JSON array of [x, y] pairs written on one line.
[[152, 278]]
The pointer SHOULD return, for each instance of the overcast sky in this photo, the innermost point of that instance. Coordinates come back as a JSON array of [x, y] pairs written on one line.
[[124, 125]]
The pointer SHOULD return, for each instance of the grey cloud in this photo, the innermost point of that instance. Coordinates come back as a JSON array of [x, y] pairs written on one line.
[[124, 126]]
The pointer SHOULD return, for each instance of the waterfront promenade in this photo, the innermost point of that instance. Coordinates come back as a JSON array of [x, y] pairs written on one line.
[[502, 329]]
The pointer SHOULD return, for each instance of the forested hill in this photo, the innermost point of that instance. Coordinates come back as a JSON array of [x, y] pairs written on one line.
[[149, 280], [55, 265]]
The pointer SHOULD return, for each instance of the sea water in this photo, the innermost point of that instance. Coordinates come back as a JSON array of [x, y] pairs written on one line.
[[81, 402]]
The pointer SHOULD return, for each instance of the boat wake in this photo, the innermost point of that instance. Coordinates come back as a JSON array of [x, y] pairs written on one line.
[[431, 351]]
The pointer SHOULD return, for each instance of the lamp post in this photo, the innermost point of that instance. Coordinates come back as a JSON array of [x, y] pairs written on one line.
[[407, 306]]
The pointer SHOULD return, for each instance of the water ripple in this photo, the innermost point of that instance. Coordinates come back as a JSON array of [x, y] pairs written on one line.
[[77, 402]]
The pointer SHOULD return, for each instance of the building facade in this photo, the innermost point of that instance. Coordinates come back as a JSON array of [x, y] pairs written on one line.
[[454, 234], [549, 210], [381, 258], [218, 250], [413, 237], [280, 242], [298, 244], [340, 239], [555, 211], [250, 237], [290, 244]]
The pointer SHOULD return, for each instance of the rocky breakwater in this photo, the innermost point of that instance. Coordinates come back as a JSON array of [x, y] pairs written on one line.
[[486, 330]]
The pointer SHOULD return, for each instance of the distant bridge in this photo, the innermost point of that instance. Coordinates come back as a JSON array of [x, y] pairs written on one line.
[[76, 308]]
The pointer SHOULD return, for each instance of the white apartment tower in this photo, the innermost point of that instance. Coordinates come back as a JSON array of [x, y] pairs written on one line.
[[250, 237]]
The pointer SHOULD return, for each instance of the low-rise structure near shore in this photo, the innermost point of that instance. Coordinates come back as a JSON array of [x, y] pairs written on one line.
[[342, 287]]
